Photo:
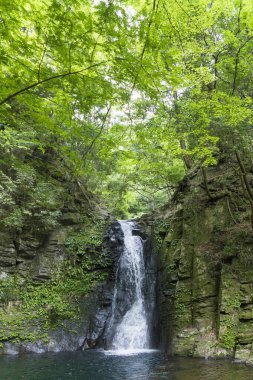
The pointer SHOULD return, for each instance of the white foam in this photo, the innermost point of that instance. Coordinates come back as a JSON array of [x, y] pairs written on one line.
[[129, 352], [132, 333]]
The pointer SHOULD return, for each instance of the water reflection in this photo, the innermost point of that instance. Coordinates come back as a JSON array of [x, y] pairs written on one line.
[[95, 365], [134, 367], [199, 369]]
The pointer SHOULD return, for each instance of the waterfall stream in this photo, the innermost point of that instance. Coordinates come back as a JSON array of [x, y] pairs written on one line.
[[129, 321]]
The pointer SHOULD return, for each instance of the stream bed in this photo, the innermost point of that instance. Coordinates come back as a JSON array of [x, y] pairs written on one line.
[[99, 365]]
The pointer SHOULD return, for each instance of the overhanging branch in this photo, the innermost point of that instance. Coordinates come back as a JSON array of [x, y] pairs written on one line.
[[39, 82]]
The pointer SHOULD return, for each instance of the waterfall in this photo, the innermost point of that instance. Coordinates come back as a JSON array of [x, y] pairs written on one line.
[[129, 322]]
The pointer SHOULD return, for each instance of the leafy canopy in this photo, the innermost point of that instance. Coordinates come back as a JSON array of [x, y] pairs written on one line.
[[121, 96]]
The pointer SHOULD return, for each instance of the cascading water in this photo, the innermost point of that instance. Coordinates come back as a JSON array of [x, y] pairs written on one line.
[[129, 322]]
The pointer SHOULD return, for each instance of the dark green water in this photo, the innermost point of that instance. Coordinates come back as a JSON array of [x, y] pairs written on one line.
[[94, 365]]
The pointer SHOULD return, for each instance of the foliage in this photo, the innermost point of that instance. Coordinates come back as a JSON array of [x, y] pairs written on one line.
[[123, 97], [29, 199], [85, 246], [126, 112]]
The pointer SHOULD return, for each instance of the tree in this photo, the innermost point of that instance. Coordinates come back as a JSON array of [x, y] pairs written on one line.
[[126, 93]]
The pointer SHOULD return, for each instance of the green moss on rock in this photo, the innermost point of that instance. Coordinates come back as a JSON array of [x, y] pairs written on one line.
[[206, 261]]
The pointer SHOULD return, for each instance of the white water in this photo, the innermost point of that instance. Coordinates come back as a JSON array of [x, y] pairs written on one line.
[[131, 334]]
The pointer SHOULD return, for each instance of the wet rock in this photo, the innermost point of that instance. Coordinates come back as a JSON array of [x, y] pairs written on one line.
[[205, 278], [8, 254]]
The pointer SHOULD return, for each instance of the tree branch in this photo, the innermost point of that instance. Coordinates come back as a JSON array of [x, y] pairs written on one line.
[[174, 27], [246, 183], [244, 175], [205, 183], [39, 82], [145, 44], [41, 59], [99, 133], [186, 158], [235, 71], [237, 62], [230, 211]]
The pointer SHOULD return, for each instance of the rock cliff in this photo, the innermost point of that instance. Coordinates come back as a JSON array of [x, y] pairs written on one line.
[[57, 259], [206, 267]]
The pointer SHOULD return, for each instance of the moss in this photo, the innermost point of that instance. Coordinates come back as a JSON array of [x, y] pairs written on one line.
[[84, 244], [41, 308], [160, 230], [228, 337], [9, 290], [183, 313], [31, 310], [230, 309]]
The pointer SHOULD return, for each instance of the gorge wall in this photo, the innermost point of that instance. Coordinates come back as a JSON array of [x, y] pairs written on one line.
[[206, 267], [58, 259], [57, 284], [57, 267]]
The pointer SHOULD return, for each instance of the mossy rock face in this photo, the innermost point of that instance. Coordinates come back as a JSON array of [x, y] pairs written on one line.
[[53, 252], [206, 269], [49, 280], [8, 255]]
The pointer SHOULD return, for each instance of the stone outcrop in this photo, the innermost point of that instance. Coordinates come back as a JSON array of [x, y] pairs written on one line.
[[35, 258], [206, 268]]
